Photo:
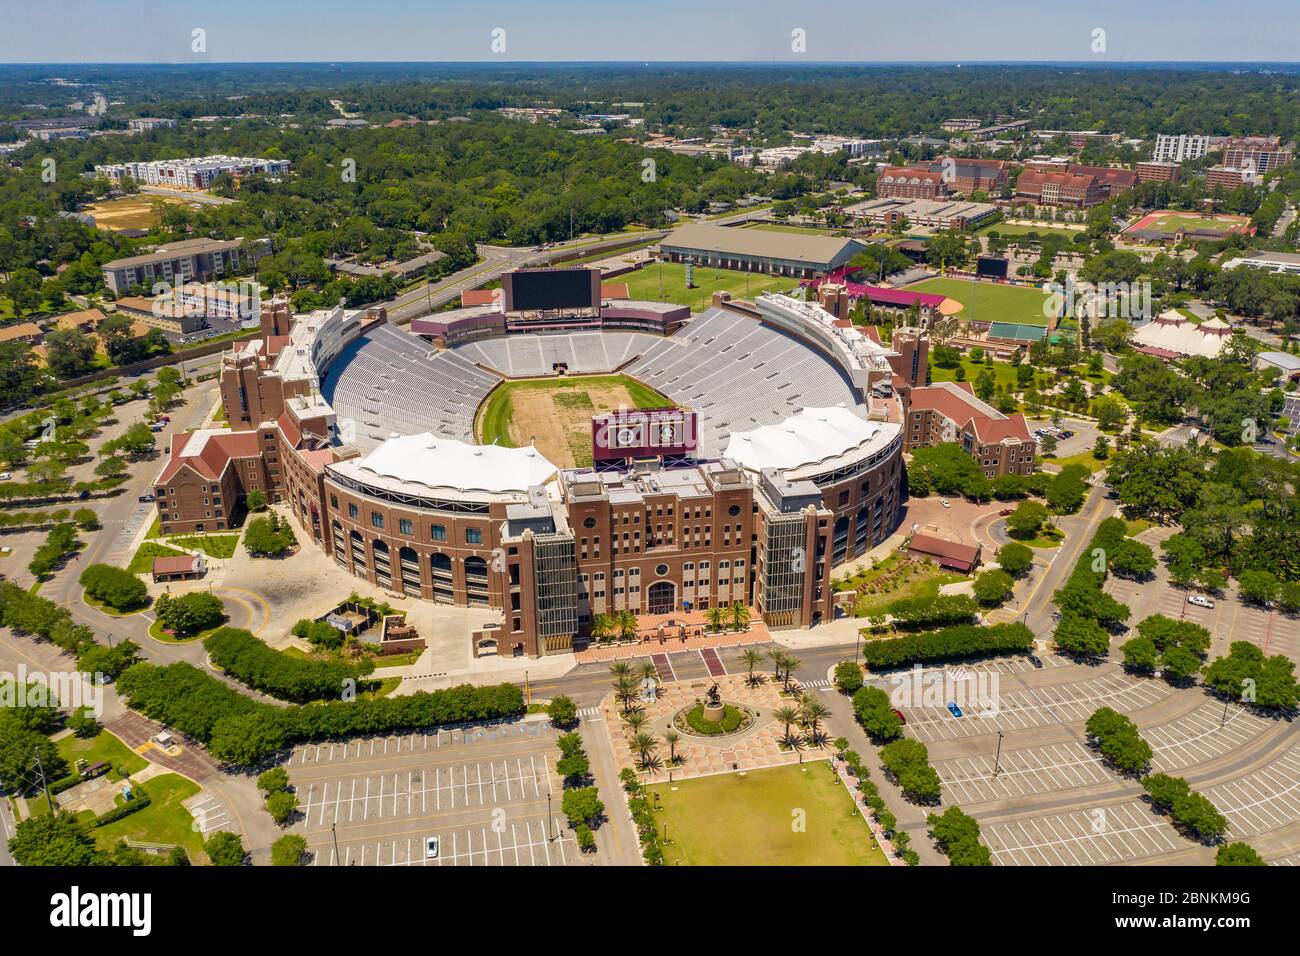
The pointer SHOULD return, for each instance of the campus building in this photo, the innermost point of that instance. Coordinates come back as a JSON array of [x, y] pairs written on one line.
[[1179, 147], [950, 412], [757, 250], [190, 260]]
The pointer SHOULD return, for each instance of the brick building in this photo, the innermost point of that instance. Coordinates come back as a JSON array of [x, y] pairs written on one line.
[[950, 412]]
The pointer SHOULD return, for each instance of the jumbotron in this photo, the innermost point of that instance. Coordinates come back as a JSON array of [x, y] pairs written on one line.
[[773, 464]]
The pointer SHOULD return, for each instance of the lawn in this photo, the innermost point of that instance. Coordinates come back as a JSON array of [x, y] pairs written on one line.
[[894, 579], [213, 545], [102, 747], [989, 301], [759, 825], [163, 821], [142, 561], [1083, 458], [556, 413], [1010, 231], [1004, 373], [645, 283]]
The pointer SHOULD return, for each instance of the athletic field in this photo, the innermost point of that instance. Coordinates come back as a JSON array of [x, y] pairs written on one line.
[[796, 815], [1169, 222], [989, 301], [645, 283], [556, 413]]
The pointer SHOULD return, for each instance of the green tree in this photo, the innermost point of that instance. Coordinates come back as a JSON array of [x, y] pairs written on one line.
[[1015, 558], [288, 850], [225, 849], [1238, 854], [54, 840], [993, 587], [562, 711]]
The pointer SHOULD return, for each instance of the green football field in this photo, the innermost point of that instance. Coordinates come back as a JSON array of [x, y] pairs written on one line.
[[666, 282], [988, 301], [796, 815]]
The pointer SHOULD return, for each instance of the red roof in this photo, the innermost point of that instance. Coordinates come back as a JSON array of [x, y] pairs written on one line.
[[213, 452], [478, 297], [176, 564], [954, 554], [879, 294], [613, 290], [290, 428], [960, 405]]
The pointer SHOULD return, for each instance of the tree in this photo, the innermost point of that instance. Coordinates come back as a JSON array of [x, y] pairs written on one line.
[[751, 659], [189, 614], [277, 778], [256, 500], [582, 805], [993, 587], [281, 805], [1015, 558], [1081, 635], [1238, 854], [739, 615], [54, 840], [69, 352], [1140, 654], [562, 711], [1101, 449], [1131, 559], [119, 589], [957, 835], [1026, 521], [873, 710], [848, 677], [289, 850], [1259, 587], [225, 849], [787, 716], [268, 537]]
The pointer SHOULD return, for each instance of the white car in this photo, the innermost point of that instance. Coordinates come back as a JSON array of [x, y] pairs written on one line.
[[1200, 600], [5, 476], [431, 848], [945, 502]]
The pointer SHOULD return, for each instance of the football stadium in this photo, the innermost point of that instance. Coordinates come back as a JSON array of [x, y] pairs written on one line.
[[558, 454]]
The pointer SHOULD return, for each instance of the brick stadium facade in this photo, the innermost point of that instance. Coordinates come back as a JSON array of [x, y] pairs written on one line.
[[550, 549]]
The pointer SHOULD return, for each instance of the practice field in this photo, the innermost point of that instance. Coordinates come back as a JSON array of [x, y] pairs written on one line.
[[129, 212], [989, 301], [1172, 221], [645, 284], [556, 413], [796, 815]]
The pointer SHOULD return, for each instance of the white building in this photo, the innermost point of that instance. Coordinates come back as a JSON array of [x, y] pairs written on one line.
[[1171, 335], [1179, 148], [1268, 261], [193, 173]]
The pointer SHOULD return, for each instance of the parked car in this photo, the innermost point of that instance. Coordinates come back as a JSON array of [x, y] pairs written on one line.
[[945, 502], [431, 848], [899, 715], [1034, 659], [5, 476], [954, 709], [83, 495], [1067, 434], [1200, 600], [147, 497], [1004, 512]]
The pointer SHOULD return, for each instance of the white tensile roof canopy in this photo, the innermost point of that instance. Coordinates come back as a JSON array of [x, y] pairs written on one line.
[[425, 459], [812, 436]]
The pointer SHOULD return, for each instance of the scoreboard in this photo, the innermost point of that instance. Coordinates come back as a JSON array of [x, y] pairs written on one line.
[[629, 433]]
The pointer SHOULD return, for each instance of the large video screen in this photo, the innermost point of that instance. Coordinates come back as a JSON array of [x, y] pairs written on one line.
[[552, 289], [991, 267]]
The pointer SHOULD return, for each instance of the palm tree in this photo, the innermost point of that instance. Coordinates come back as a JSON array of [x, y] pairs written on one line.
[[812, 713], [739, 614], [777, 656], [620, 668], [635, 720], [626, 621], [645, 745], [646, 670], [791, 664], [787, 715], [671, 737], [602, 627], [716, 618], [625, 689], [751, 659]]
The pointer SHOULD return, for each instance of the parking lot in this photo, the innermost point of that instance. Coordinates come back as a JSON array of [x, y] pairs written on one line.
[[1198, 737], [1107, 834], [1265, 800], [1036, 707], [489, 794]]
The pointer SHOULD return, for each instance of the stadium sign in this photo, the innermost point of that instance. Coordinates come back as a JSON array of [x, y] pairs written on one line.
[[628, 433]]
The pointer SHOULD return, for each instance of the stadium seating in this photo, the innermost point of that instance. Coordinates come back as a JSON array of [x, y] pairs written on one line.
[[387, 381], [523, 356]]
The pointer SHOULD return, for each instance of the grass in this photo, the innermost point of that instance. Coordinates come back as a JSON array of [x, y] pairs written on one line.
[[142, 560], [111, 611], [1084, 458], [1004, 373], [213, 545], [1010, 231], [386, 686], [102, 747], [758, 828], [396, 660], [130, 212], [569, 394], [988, 301], [919, 579], [158, 634], [1046, 538], [163, 821], [645, 284]]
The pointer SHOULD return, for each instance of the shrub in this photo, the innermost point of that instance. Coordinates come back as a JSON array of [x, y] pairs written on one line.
[[289, 850], [189, 614], [953, 643], [250, 661], [119, 589], [848, 676], [929, 612], [562, 711], [874, 711], [908, 762]]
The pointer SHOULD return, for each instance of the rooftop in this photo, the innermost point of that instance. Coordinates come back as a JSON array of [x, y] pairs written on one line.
[[758, 242]]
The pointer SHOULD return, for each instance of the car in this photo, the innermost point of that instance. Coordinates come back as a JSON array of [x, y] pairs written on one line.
[[1004, 512], [1195, 432], [1200, 600], [148, 497], [945, 502], [899, 715], [1036, 661], [163, 418], [1067, 434], [5, 476], [83, 495], [954, 709], [431, 848], [1056, 615]]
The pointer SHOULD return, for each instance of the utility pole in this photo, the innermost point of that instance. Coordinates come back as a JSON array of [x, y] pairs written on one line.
[[334, 833], [997, 760], [550, 822], [44, 784]]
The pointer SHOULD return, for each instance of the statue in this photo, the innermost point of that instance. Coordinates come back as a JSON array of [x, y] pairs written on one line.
[[713, 698]]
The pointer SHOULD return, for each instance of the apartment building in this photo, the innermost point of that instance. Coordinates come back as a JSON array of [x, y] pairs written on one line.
[[189, 260], [1178, 148], [197, 172]]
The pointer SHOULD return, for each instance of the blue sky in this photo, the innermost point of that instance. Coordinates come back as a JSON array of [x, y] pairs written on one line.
[[72, 31]]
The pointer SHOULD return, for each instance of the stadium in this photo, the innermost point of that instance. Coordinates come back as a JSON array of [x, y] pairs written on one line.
[[558, 456]]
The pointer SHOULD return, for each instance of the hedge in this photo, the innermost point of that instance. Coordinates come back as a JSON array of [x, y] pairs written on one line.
[[953, 643], [140, 801], [119, 589], [250, 661], [242, 731], [911, 614]]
